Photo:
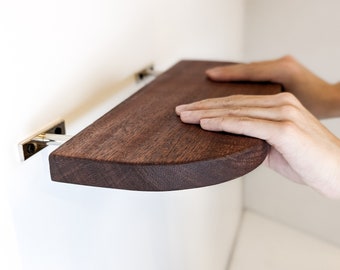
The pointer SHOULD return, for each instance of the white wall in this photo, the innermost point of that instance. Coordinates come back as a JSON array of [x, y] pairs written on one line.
[[74, 59], [308, 30]]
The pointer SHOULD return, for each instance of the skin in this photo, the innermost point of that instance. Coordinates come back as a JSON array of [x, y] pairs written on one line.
[[302, 149]]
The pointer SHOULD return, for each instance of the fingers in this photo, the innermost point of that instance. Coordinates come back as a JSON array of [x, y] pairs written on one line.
[[279, 134], [280, 107], [195, 117], [235, 101], [273, 70], [264, 117], [259, 128], [283, 113]]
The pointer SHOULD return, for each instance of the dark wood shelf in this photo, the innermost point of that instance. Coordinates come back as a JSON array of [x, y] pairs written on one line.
[[142, 145]]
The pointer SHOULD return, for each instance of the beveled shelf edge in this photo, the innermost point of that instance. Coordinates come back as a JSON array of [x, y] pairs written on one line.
[[188, 175]]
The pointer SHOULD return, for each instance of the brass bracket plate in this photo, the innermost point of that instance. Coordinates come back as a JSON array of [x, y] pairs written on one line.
[[40, 140], [146, 72]]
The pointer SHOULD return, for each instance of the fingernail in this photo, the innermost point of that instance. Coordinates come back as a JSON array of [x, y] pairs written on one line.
[[179, 109], [185, 114], [213, 72], [210, 71]]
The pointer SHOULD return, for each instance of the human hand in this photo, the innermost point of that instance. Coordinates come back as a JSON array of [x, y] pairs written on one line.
[[318, 96], [302, 149]]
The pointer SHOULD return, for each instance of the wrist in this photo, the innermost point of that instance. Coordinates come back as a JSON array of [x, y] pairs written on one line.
[[330, 102], [334, 100]]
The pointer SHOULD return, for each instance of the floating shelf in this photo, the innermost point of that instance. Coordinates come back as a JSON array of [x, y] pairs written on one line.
[[142, 145]]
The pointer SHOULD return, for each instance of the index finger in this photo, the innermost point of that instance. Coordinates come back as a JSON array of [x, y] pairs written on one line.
[[240, 101]]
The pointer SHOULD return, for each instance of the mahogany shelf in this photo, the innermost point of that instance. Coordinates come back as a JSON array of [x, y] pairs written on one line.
[[142, 145]]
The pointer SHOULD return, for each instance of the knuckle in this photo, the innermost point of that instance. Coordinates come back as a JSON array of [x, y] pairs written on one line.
[[200, 104], [288, 98], [289, 65], [235, 110], [212, 102], [241, 125], [226, 101], [288, 128], [287, 60], [289, 111]]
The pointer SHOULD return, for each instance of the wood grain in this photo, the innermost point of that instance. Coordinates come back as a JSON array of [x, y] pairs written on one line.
[[142, 145]]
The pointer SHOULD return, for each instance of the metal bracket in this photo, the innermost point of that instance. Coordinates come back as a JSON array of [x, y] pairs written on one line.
[[51, 135], [146, 72]]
